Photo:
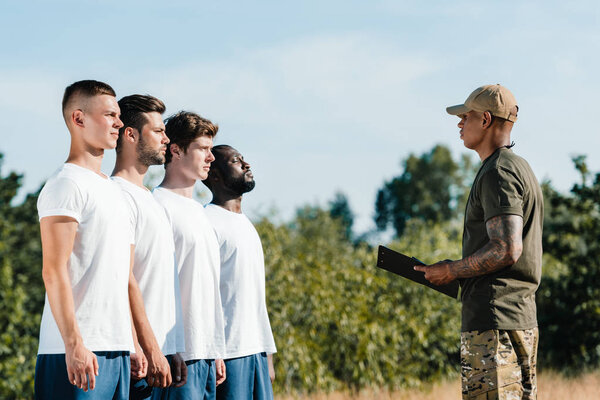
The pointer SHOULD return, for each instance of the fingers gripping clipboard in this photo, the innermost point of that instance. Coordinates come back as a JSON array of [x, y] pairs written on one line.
[[402, 265]]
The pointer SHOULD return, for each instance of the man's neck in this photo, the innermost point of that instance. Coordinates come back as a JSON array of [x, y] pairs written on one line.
[[497, 139], [132, 172], [230, 203], [178, 183], [89, 159]]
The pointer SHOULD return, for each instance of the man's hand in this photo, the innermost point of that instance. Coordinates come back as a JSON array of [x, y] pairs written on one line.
[[221, 375], [159, 371], [271, 368], [178, 370], [82, 367], [139, 363], [439, 273]]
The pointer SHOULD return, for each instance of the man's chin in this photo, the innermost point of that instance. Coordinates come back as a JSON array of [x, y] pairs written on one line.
[[249, 186]]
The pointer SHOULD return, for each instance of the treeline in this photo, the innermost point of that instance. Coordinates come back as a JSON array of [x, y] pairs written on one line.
[[338, 321]]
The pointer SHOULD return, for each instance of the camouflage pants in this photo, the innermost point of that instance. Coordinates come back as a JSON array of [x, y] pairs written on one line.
[[499, 364]]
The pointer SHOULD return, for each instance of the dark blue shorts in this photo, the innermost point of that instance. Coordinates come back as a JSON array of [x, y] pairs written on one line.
[[112, 382], [200, 385], [247, 379]]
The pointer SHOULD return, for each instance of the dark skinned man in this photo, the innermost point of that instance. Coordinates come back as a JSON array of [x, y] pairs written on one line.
[[502, 255], [249, 340]]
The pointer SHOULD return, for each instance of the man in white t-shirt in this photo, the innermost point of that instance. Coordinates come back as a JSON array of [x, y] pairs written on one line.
[[188, 159], [154, 286], [87, 237], [249, 343]]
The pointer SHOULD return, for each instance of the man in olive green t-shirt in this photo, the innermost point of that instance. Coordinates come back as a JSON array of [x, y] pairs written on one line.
[[502, 255]]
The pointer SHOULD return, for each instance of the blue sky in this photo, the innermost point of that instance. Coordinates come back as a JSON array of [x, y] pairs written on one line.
[[319, 96]]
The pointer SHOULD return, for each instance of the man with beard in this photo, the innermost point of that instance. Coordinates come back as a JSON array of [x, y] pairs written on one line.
[[249, 343], [153, 284]]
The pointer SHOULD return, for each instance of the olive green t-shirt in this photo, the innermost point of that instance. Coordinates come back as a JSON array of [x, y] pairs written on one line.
[[505, 299]]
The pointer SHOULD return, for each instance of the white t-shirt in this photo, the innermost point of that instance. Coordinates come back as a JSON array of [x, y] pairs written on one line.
[[247, 327], [197, 258], [154, 267], [99, 263]]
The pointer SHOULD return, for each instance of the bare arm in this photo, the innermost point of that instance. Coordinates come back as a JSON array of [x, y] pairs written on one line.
[[503, 249], [58, 237], [139, 363], [159, 371]]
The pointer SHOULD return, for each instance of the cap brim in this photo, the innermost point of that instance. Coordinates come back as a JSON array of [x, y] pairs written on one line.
[[457, 110]]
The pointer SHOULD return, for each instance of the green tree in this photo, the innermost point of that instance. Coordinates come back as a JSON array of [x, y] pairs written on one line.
[[21, 290], [339, 208], [432, 187], [569, 299]]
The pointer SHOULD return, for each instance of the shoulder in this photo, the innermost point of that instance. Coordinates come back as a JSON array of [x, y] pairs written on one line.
[[63, 184], [509, 161], [63, 194], [213, 212], [161, 196]]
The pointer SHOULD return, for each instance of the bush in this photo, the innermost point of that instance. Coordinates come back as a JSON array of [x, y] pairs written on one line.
[[341, 323]]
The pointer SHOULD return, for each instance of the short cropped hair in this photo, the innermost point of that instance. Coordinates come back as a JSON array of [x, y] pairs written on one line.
[[219, 154], [133, 109], [184, 127], [86, 88]]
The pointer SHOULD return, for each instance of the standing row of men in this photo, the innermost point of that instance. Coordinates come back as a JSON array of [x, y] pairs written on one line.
[[149, 286]]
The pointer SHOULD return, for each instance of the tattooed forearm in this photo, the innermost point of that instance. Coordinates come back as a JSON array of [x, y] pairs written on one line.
[[503, 249]]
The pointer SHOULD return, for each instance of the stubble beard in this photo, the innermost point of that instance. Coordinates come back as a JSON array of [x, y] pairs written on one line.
[[148, 156]]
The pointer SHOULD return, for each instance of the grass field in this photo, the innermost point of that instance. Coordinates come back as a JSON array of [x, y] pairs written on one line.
[[551, 386]]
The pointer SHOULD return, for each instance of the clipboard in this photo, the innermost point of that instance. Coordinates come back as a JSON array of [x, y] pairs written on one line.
[[402, 265]]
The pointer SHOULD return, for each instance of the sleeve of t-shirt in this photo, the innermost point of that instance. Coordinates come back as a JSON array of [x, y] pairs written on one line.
[[61, 196], [501, 193]]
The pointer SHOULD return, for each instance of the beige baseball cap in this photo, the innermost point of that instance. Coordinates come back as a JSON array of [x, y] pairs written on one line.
[[496, 99]]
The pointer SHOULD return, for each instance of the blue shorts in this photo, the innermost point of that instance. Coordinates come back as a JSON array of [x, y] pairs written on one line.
[[247, 379], [201, 383], [112, 382]]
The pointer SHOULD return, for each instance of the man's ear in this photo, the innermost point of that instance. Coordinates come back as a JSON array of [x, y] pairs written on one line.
[[487, 120], [215, 175], [130, 134], [176, 151], [77, 118]]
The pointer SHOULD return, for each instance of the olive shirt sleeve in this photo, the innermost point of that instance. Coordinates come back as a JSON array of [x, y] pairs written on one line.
[[501, 193]]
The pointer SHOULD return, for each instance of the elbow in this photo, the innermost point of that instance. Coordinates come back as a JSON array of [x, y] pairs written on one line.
[[49, 276], [132, 284], [513, 253]]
